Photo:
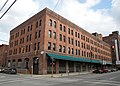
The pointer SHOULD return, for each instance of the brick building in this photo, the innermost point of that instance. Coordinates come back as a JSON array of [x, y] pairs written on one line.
[[113, 39], [47, 42], [3, 55]]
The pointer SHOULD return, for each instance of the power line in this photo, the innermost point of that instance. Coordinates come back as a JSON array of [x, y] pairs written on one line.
[[8, 9], [4, 5], [56, 4]]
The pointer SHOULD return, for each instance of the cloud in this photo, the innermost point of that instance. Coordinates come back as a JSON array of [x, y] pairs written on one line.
[[103, 20], [86, 17], [18, 13], [116, 11]]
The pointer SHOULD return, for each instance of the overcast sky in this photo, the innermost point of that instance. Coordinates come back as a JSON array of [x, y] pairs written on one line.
[[102, 16]]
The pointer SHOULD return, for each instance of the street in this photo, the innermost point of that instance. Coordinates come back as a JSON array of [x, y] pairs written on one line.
[[106, 79]]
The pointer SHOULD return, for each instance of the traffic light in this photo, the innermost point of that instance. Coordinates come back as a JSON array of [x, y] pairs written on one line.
[[113, 48]]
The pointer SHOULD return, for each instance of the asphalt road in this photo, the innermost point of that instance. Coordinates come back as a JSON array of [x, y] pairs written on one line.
[[106, 79]]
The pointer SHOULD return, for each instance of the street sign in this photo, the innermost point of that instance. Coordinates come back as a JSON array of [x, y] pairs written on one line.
[[117, 62], [104, 62]]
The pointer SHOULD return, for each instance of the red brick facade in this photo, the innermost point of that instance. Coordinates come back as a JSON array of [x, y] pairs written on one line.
[[3, 55], [47, 32], [111, 40]]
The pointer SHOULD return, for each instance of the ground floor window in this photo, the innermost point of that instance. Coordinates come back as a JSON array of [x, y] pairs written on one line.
[[49, 66], [62, 66], [19, 63], [9, 64], [13, 63], [78, 67], [71, 66]]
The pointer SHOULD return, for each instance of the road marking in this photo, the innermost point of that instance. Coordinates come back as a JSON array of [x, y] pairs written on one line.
[[96, 82], [2, 76]]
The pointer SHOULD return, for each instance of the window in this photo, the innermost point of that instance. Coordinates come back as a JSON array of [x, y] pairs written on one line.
[[35, 46], [19, 63], [68, 50], [60, 37], [39, 33], [72, 41], [68, 30], [64, 49], [72, 51], [78, 35], [71, 32], [64, 29], [61, 27], [29, 48], [75, 34], [38, 46], [26, 48], [31, 28], [30, 37], [49, 45], [69, 40], [23, 40], [54, 46], [50, 22], [54, 24], [82, 53], [60, 48], [82, 45], [49, 34], [37, 24], [54, 35], [19, 50], [28, 28], [35, 35], [9, 63], [13, 63], [76, 51], [64, 38], [40, 23], [78, 43]]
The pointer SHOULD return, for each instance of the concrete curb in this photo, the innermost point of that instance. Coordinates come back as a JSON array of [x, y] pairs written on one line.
[[56, 75]]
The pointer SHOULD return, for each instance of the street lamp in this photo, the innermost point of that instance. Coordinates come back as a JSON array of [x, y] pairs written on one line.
[[90, 60]]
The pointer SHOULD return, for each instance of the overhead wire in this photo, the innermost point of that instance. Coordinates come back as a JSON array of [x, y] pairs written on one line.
[[8, 9], [4, 5], [56, 4]]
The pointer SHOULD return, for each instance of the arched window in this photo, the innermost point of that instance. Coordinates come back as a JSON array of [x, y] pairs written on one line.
[[50, 22], [54, 24], [19, 63]]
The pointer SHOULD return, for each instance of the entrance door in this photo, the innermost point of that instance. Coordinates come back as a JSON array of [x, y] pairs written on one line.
[[35, 65]]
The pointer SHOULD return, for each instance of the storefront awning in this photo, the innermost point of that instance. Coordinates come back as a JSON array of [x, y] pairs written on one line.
[[71, 58]]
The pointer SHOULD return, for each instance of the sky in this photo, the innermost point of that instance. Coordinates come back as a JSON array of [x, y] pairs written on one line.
[[101, 16]]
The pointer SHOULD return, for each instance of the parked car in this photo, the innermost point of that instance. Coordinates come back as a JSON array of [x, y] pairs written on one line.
[[10, 71], [113, 69], [1, 70], [104, 70], [97, 71]]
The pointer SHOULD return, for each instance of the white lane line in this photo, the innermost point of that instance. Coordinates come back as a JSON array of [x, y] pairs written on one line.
[[11, 80], [2, 76], [99, 82]]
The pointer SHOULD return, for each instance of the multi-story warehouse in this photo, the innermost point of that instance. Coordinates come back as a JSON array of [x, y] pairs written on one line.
[[3, 55], [48, 43], [114, 40]]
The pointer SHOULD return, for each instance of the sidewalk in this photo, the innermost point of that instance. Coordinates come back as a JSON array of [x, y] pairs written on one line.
[[57, 75]]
